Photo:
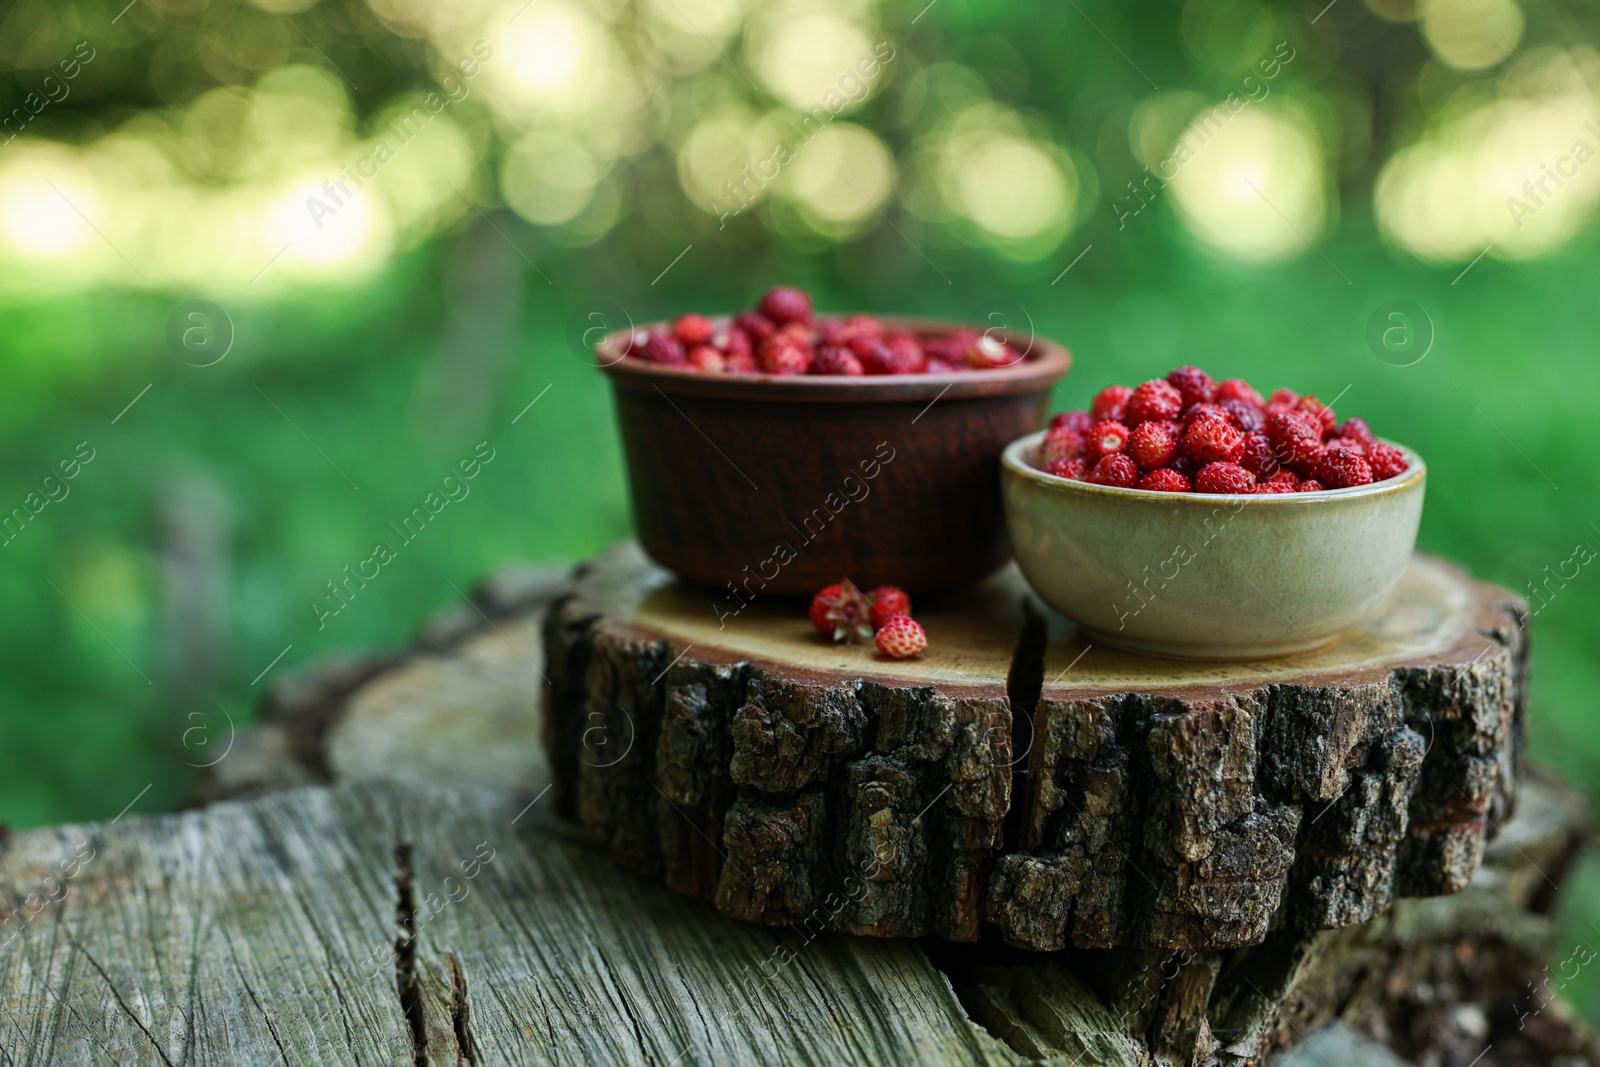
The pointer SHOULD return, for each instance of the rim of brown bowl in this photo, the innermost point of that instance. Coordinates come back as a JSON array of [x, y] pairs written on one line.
[[1044, 363], [1014, 459]]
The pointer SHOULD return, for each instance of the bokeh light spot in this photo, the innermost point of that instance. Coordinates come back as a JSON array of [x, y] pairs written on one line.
[[1012, 188], [804, 57], [1253, 186], [841, 178], [548, 179], [1471, 34], [40, 221]]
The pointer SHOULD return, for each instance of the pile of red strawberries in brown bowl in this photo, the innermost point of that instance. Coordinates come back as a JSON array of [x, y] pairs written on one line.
[[1188, 433], [783, 336], [773, 452]]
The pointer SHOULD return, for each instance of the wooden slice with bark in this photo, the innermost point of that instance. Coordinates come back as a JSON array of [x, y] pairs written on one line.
[[1017, 777]]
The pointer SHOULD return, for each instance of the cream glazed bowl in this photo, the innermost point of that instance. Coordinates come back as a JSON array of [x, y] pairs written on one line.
[[1210, 576]]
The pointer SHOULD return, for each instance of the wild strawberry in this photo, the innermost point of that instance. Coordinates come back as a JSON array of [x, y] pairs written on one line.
[[708, 359], [1152, 445], [1271, 487], [1154, 399], [842, 612], [1246, 417], [783, 355], [1356, 429], [901, 637], [861, 334], [1282, 400], [756, 326], [1206, 411], [732, 341], [939, 366], [827, 330], [1319, 411], [900, 353], [1115, 469], [1209, 440], [1295, 437], [1224, 478], [1341, 468], [1105, 438], [1385, 460], [1184, 465], [800, 333], [1310, 485], [821, 604], [988, 352], [1110, 402], [785, 304], [1339, 444], [951, 347], [636, 342], [1081, 421], [1237, 389], [661, 347], [1076, 469], [1258, 456], [887, 601], [693, 330], [1060, 443], [1285, 477], [835, 359], [1194, 384], [740, 363], [1165, 481]]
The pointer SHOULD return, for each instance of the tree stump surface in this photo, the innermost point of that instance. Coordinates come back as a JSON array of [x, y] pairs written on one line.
[[1020, 779], [378, 877]]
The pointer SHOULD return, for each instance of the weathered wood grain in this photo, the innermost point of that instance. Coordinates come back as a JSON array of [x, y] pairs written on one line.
[[563, 959], [240, 934], [1020, 779], [391, 923]]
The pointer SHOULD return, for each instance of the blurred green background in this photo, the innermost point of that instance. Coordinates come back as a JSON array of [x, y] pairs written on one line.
[[1245, 186]]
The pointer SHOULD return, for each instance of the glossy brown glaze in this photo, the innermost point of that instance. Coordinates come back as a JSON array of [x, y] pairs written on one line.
[[783, 485]]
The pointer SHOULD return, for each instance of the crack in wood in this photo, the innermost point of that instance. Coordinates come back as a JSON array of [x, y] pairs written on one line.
[[266, 1018], [60, 1002], [116, 994], [461, 1012], [1024, 687], [405, 955]]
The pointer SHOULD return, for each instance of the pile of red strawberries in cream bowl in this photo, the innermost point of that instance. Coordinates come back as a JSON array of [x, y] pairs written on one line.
[[782, 335], [1187, 433]]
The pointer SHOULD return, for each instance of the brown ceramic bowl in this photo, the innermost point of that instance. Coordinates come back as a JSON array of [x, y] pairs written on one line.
[[782, 485]]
